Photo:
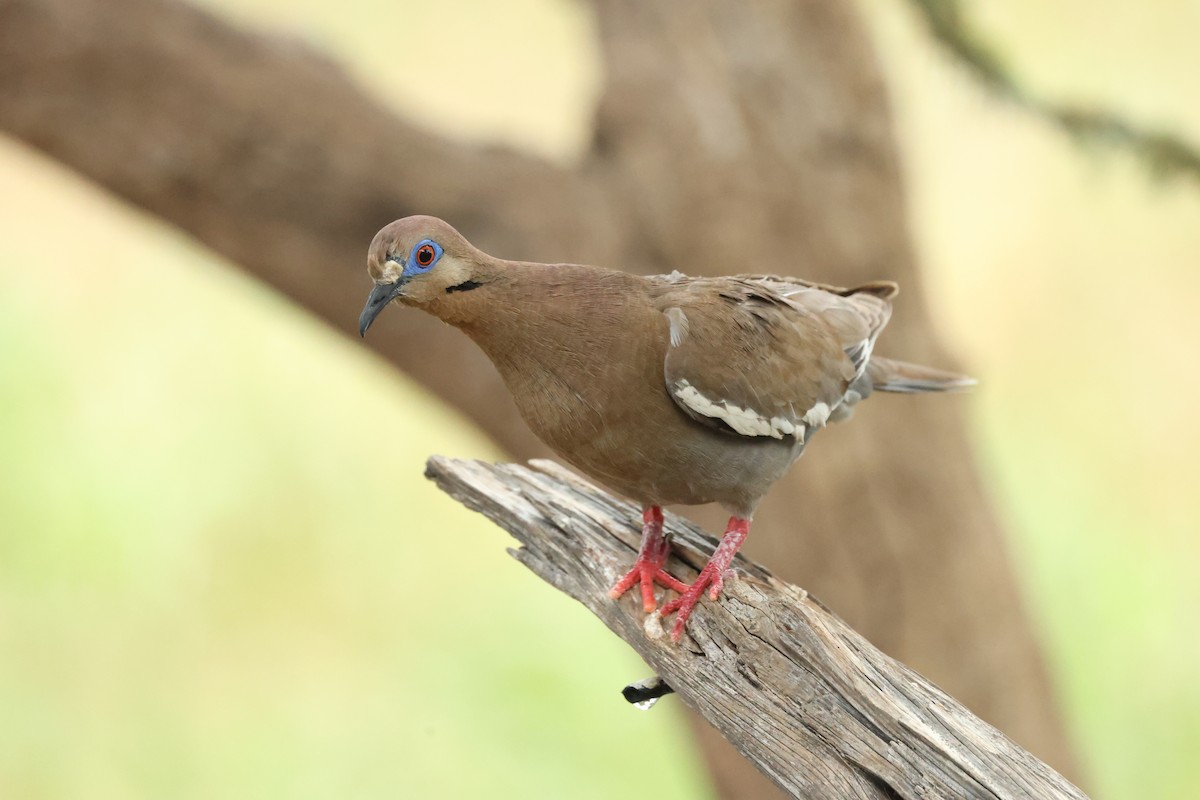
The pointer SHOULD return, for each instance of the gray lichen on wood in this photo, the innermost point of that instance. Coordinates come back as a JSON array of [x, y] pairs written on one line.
[[810, 702]]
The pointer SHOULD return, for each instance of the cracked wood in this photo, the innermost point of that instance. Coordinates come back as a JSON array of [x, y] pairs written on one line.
[[811, 703]]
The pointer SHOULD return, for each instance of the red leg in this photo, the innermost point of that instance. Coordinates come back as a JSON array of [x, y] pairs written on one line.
[[648, 568], [712, 577]]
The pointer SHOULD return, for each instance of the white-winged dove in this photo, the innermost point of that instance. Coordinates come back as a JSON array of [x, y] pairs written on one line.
[[666, 388]]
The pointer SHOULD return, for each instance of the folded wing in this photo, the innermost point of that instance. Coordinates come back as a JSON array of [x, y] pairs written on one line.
[[763, 355]]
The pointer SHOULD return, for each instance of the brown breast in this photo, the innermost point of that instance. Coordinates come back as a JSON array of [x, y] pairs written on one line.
[[582, 350]]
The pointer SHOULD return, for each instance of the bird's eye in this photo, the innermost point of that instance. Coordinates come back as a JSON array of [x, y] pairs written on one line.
[[425, 255]]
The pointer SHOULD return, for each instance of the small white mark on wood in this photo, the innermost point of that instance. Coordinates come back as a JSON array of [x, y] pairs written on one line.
[[653, 625]]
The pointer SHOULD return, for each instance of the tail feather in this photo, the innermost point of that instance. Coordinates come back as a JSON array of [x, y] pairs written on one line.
[[888, 375]]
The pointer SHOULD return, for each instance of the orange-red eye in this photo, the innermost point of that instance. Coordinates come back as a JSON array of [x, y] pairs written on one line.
[[425, 255]]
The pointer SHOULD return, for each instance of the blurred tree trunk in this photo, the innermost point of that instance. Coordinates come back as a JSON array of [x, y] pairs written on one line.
[[730, 137]]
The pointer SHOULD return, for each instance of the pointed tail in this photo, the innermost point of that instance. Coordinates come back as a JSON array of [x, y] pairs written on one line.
[[888, 375]]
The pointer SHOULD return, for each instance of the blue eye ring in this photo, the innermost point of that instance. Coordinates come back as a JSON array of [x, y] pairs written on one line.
[[424, 255]]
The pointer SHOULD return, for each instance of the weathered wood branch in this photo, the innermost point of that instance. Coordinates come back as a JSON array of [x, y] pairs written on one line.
[[809, 701]]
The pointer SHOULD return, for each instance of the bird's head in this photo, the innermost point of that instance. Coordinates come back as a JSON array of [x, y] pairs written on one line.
[[418, 261]]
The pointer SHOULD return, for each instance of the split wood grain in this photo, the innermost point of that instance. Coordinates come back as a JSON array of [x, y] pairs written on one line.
[[811, 703]]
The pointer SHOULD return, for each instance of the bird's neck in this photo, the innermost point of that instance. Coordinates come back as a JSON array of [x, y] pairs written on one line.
[[546, 317]]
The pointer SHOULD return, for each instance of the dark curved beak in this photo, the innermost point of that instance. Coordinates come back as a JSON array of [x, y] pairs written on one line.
[[380, 296]]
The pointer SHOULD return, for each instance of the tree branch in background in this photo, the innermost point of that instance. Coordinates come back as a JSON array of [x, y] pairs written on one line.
[[806, 699], [1165, 155]]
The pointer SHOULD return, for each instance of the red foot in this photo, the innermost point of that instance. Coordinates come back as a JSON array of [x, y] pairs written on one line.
[[712, 577], [648, 570]]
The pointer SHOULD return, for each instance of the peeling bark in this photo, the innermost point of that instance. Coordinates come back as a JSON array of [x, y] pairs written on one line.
[[811, 703]]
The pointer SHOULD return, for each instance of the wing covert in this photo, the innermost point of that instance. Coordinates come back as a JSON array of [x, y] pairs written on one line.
[[764, 356]]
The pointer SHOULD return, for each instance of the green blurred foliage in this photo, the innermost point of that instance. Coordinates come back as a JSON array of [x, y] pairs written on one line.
[[222, 575]]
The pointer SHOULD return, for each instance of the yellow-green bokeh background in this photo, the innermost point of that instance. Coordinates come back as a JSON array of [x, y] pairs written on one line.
[[220, 568]]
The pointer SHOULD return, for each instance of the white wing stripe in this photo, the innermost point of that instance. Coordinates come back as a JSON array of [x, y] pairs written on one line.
[[745, 421], [818, 415]]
